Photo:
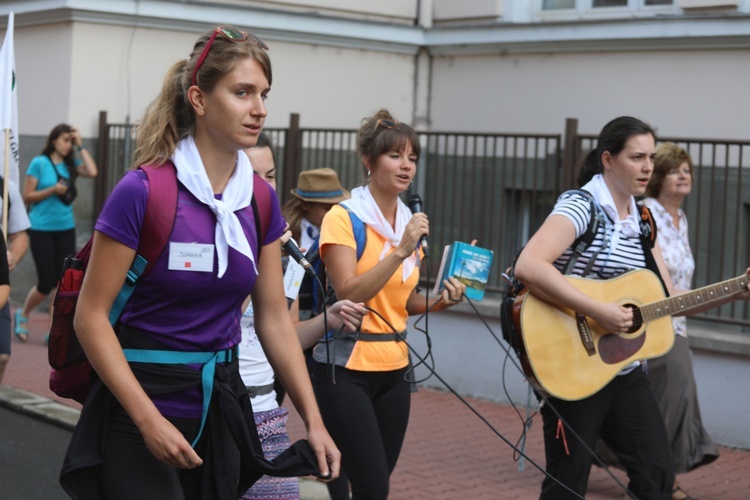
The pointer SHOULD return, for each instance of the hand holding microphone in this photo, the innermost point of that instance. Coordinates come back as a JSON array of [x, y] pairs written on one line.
[[415, 205]]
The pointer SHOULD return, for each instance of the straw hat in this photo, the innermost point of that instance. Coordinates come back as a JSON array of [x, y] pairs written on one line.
[[320, 185]]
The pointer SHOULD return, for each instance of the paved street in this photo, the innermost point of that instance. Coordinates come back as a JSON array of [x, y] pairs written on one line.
[[449, 453], [31, 452]]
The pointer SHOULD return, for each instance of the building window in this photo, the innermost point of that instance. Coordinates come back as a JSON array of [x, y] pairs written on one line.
[[609, 3], [590, 5], [558, 4]]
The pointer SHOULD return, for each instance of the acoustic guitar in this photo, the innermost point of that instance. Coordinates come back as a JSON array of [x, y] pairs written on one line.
[[569, 356]]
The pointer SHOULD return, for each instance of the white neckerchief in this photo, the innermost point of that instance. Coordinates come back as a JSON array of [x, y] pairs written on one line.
[[308, 233], [363, 205], [629, 226], [236, 196]]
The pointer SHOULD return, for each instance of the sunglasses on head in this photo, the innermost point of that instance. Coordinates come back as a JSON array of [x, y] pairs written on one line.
[[231, 34]]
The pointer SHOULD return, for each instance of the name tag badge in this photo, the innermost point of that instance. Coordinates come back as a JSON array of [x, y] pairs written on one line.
[[293, 279], [191, 257]]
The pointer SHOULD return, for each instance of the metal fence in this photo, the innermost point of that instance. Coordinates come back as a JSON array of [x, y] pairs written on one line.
[[498, 189]]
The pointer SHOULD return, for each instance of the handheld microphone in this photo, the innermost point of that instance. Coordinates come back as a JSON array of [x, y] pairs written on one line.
[[415, 205], [294, 252]]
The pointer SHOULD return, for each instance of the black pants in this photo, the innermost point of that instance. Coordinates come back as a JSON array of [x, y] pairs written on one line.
[[5, 329], [366, 414], [129, 462], [627, 416], [49, 249]]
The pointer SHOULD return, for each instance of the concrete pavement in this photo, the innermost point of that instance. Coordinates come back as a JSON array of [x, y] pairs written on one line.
[[449, 453]]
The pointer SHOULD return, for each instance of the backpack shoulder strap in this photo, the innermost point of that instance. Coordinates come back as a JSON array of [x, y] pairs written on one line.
[[648, 240], [156, 227], [583, 241], [261, 205], [647, 227], [161, 210], [359, 230]]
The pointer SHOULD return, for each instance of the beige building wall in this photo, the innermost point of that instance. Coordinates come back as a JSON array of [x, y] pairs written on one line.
[[89, 67], [702, 93], [342, 60], [43, 75]]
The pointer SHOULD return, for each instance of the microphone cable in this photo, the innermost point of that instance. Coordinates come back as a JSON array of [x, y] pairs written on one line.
[[428, 361], [526, 422], [545, 401], [476, 412]]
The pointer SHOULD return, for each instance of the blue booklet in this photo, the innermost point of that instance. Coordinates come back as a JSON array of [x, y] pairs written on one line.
[[468, 264]]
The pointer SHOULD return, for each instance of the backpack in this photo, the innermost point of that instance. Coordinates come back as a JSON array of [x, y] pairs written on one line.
[[514, 287], [72, 375], [359, 229]]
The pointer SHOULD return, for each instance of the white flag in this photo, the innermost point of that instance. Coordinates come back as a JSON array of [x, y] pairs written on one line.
[[9, 103]]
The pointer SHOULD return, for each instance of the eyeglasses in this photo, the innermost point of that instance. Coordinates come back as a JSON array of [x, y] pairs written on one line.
[[231, 34], [386, 123], [678, 171]]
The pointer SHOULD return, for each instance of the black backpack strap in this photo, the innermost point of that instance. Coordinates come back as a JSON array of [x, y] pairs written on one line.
[[256, 217], [648, 233], [583, 241]]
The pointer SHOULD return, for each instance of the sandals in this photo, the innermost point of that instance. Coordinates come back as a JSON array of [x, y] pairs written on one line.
[[20, 331], [680, 494]]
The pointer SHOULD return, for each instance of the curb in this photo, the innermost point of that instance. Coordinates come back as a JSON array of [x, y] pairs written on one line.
[[39, 407], [63, 416]]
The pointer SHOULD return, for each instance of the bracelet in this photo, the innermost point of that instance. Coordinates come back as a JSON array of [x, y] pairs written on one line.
[[80, 148]]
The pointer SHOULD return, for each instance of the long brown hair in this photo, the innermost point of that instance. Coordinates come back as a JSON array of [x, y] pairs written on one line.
[[170, 117], [293, 212], [49, 148]]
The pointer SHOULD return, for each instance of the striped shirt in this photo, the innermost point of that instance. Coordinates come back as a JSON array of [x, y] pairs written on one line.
[[624, 254]]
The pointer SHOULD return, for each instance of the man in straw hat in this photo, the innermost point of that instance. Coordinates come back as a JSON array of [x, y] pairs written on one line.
[[316, 192]]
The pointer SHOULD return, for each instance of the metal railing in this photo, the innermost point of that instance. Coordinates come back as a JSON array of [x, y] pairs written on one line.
[[499, 188]]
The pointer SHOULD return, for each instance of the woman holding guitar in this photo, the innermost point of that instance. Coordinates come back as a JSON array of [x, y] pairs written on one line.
[[624, 411]]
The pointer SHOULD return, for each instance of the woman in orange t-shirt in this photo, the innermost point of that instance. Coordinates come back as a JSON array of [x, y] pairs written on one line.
[[360, 381]]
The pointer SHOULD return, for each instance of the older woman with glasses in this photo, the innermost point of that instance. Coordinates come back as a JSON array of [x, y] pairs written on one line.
[[672, 375], [171, 426]]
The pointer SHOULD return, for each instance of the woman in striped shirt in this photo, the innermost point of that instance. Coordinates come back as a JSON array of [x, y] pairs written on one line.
[[624, 411]]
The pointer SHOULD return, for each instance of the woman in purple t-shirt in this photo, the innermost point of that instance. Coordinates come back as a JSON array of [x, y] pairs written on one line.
[[140, 423]]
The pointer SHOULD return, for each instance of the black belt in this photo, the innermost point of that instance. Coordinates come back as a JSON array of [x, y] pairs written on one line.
[[259, 390], [370, 337]]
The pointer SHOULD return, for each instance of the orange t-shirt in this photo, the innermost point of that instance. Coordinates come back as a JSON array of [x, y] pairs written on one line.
[[390, 301]]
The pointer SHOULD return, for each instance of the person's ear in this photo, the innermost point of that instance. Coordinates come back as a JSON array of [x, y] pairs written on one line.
[[607, 160], [197, 100]]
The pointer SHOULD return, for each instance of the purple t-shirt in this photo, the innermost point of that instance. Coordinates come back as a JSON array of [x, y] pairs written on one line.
[[185, 310]]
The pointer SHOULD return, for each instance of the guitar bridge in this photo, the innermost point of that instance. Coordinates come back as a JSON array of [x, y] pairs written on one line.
[[584, 330]]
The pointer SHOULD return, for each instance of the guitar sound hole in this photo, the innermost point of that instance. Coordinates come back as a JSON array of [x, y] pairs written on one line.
[[637, 318]]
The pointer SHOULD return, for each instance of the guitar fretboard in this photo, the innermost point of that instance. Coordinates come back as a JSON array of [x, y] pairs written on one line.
[[693, 299]]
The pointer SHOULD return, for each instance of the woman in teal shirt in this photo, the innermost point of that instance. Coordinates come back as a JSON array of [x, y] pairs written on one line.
[[52, 235]]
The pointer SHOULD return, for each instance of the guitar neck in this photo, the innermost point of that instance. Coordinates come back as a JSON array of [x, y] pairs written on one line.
[[694, 299]]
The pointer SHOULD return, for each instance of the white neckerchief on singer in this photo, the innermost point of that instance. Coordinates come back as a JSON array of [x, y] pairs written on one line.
[[629, 226], [363, 205], [237, 195]]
